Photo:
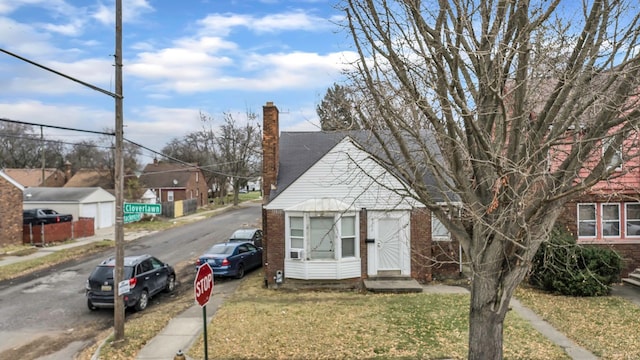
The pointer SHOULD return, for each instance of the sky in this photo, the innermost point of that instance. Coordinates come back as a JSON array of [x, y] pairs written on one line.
[[181, 58]]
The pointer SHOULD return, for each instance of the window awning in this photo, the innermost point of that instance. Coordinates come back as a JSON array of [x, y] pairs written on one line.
[[323, 204]]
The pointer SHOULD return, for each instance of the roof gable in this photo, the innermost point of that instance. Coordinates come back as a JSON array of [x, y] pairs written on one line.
[[32, 177], [299, 151], [345, 178], [11, 180], [91, 178], [167, 175]]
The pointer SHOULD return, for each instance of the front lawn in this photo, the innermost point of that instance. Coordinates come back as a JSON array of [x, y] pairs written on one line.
[[256, 323]]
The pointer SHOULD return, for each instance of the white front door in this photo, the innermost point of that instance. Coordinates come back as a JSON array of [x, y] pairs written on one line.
[[388, 254]]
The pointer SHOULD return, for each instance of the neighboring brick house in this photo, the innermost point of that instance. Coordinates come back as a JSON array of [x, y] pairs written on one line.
[[10, 210], [174, 181], [34, 177], [330, 213]]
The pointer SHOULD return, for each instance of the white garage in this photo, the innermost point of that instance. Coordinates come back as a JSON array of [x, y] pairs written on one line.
[[93, 202]]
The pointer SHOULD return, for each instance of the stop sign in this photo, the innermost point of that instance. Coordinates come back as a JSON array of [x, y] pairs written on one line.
[[203, 284]]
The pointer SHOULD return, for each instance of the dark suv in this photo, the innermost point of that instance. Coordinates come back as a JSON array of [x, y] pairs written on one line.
[[147, 276]]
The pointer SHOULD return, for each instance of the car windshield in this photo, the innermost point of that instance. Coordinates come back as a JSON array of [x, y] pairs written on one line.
[[222, 249], [243, 234]]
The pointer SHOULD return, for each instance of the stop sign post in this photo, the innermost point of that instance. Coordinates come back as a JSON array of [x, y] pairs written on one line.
[[202, 287]]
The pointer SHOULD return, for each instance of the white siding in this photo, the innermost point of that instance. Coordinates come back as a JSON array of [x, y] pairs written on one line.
[[322, 270], [346, 173], [90, 211]]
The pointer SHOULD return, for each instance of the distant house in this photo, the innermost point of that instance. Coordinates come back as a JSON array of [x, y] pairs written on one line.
[[10, 210], [102, 178], [173, 182], [93, 202], [34, 177], [331, 213]]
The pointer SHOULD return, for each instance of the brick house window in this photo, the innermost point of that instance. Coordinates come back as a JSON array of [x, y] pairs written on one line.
[[439, 232]]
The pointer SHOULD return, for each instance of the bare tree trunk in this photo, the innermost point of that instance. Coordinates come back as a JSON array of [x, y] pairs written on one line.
[[486, 319]]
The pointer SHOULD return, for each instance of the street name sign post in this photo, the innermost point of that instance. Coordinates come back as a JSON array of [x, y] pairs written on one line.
[[203, 287]]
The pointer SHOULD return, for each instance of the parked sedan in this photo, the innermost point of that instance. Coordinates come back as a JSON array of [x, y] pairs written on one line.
[[232, 259], [252, 235]]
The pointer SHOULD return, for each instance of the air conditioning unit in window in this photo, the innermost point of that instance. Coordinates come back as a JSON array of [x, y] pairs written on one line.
[[296, 254]]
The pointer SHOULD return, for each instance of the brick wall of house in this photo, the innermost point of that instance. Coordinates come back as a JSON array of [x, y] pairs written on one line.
[[630, 252], [270, 149], [420, 245], [197, 189], [445, 257], [10, 213], [273, 244], [364, 234]]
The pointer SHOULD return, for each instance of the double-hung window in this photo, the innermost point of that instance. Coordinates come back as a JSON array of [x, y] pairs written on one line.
[[632, 219], [587, 220], [611, 220]]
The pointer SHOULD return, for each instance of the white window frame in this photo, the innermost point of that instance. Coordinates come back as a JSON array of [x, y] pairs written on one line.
[[603, 221], [436, 224], [170, 195], [627, 219], [337, 246], [593, 221]]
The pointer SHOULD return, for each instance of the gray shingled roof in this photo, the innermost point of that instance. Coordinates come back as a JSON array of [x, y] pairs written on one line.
[[35, 194], [300, 150]]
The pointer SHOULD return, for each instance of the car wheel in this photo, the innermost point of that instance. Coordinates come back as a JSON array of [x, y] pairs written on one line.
[[240, 274], [91, 306], [143, 301], [171, 284]]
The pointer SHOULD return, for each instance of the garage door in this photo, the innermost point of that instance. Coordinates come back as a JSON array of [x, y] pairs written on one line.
[[107, 214], [90, 211]]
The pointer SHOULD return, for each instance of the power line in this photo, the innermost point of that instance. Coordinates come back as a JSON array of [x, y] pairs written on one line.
[[57, 127]]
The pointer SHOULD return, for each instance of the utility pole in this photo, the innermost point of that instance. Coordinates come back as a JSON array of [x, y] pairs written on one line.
[[118, 308]]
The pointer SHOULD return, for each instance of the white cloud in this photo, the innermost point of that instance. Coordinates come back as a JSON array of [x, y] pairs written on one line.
[[132, 11], [223, 24]]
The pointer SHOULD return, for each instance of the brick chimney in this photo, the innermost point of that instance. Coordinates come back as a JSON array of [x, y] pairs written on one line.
[[67, 171], [270, 149]]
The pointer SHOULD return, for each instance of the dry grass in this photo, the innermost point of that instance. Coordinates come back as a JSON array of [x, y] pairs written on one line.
[[607, 326], [256, 323], [25, 267]]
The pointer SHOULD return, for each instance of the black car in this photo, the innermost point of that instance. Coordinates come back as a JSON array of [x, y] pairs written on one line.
[[232, 259], [252, 235], [147, 276]]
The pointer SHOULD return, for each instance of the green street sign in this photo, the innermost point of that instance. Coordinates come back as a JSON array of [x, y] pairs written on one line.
[[131, 208], [129, 218]]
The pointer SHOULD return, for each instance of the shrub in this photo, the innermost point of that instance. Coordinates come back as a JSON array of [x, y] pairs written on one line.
[[564, 267]]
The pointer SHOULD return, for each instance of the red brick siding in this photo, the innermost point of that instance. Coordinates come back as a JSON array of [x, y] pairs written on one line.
[[629, 252], [270, 149], [10, 213], [364, 233], [420, 245], [445, 257], [273, 244]]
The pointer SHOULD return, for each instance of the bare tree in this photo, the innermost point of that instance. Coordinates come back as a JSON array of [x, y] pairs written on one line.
[[239, 151], [521, 127], [19, 146]]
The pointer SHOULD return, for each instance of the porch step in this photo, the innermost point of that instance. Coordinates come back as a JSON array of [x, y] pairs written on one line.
[[633, 279], [392, 285]]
